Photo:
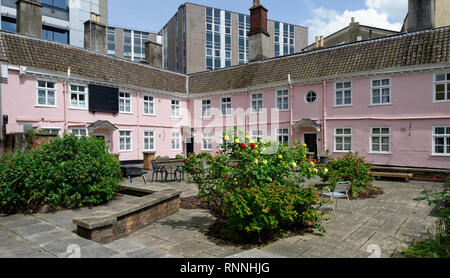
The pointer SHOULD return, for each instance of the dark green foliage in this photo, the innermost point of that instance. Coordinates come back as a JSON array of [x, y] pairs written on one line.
[[351, 167], [65, 172]]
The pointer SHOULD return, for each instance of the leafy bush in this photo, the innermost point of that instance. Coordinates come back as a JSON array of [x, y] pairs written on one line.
[[65, 172], [351, 167], [255, 187], [437, 245]]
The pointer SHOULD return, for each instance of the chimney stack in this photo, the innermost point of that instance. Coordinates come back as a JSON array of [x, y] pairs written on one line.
[[95, 34], [153, 54], [258, 37], [29, 18], [420, 15]]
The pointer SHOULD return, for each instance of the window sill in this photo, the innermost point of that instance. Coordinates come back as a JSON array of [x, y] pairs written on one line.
[[381, 153], [440, 155], [126, 113], [342, 151], [45, 106], [130, 151], [207, 118], [149, 115], [175, 118], [340, 106], [74, 108], [381, 104], [282, 110], [441, 101]]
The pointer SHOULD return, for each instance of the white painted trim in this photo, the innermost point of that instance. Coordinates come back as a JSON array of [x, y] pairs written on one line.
[[289, 99], [131, 140], [144, 101], [343, 142], [381, 87], [144, 137], [343, 93], [433, 153], [380, 135]]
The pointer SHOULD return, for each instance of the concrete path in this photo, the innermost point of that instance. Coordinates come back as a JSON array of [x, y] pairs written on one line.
[[385, 224]]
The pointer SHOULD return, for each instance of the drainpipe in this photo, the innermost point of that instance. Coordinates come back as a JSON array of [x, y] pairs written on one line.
[[138, 124], [324, 144], [291, 110]]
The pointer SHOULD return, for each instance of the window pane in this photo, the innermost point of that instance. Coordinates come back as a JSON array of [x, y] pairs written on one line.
[[439, 149], [339, 131], [385, 131], [439, 141], [375, 131], [440, 77], [376, 83], [51, 98], [385, 148], [439, 130], [376, 140]]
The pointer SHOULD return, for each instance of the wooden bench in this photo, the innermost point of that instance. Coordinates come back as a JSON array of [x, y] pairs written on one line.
[[405, 176]]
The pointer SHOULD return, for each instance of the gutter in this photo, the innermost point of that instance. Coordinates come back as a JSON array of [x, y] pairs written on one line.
[[291, 106]]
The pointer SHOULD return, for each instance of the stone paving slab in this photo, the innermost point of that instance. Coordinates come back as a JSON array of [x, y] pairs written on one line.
[[391, 221]]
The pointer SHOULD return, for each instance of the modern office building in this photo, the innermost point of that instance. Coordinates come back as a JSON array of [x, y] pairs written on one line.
[[129, 44], [199, 38], [62, 20]]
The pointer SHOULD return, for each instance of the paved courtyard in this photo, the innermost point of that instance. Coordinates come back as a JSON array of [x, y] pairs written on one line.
[[378, 227]]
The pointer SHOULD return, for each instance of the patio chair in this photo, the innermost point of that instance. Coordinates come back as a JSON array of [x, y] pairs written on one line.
[[181, 172], [341, 190], [133, 172], [157, 170]]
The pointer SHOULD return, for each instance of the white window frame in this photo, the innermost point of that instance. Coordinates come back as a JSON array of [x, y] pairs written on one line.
[[342, 90], [207, 140], [255, 100], [259, 136], [228, 106], [445, 136], [149, 104], [148, 135], [206, 108], [446, 84], [130, 137], [126, 99], [282, 97], [54, 128], [178, 142], [78, 93], [306, 97], [343, 136], [281, 133], [78, 129], [47, 90], [381, 87], [381, 140], [175, 108]]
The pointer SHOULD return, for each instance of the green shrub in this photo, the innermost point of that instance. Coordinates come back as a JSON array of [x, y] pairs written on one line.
[[438, 244], [254, 187], [65, 172], [351, 167]]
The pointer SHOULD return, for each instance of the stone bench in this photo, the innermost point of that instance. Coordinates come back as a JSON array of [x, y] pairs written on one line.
[[405, 176], [110, 224]]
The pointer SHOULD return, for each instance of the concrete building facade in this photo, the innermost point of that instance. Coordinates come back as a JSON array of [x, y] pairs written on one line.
[[199, 38], [62, 21]]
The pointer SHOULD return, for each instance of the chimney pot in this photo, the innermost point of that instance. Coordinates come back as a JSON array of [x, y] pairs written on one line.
[[258, 36], [153, 54], [95, 35]]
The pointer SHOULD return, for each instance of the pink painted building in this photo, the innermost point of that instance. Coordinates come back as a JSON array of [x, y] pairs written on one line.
[[388, 99]]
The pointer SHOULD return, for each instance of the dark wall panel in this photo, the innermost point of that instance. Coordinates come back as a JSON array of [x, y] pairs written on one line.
[[103, 99]]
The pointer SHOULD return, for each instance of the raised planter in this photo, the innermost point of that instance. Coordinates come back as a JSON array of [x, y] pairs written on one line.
[[129, 216]]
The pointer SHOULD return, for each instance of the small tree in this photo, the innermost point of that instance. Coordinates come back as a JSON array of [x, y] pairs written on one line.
[[255, 187]]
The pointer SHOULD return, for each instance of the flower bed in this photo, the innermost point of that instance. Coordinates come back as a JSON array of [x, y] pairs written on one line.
[[254, 187]]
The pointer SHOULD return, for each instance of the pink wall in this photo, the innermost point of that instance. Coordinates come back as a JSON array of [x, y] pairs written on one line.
[[412, 112]]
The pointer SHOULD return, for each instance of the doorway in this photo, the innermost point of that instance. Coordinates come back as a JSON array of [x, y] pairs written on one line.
[[310, 140], [189, 146]]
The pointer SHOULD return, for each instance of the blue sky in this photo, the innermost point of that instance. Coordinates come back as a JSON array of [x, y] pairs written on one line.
[[323, 17]]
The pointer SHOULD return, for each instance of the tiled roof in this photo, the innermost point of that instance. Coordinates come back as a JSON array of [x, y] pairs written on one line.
[[420, 48], [411, 49], [25, 51]]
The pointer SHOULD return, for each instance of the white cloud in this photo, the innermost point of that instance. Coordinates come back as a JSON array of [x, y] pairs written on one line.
[[394, 9], [386, 14]]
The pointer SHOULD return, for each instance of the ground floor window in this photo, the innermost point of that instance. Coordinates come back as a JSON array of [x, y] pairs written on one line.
[[257, 135], [52, 131], [380, 140], [125, 140], [207, 141], [176, 141], [149, 140], [441, 140], [79, 132], [343, 139], [283, 135]]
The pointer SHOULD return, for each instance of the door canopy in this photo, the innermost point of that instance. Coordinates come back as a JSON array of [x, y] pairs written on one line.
[[307, 123]]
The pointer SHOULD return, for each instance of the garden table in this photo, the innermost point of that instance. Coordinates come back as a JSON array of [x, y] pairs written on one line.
[[171, 167]]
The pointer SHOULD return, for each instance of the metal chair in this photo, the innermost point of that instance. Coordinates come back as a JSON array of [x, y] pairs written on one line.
[[133, 172], [341, 190], [157, 170]]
